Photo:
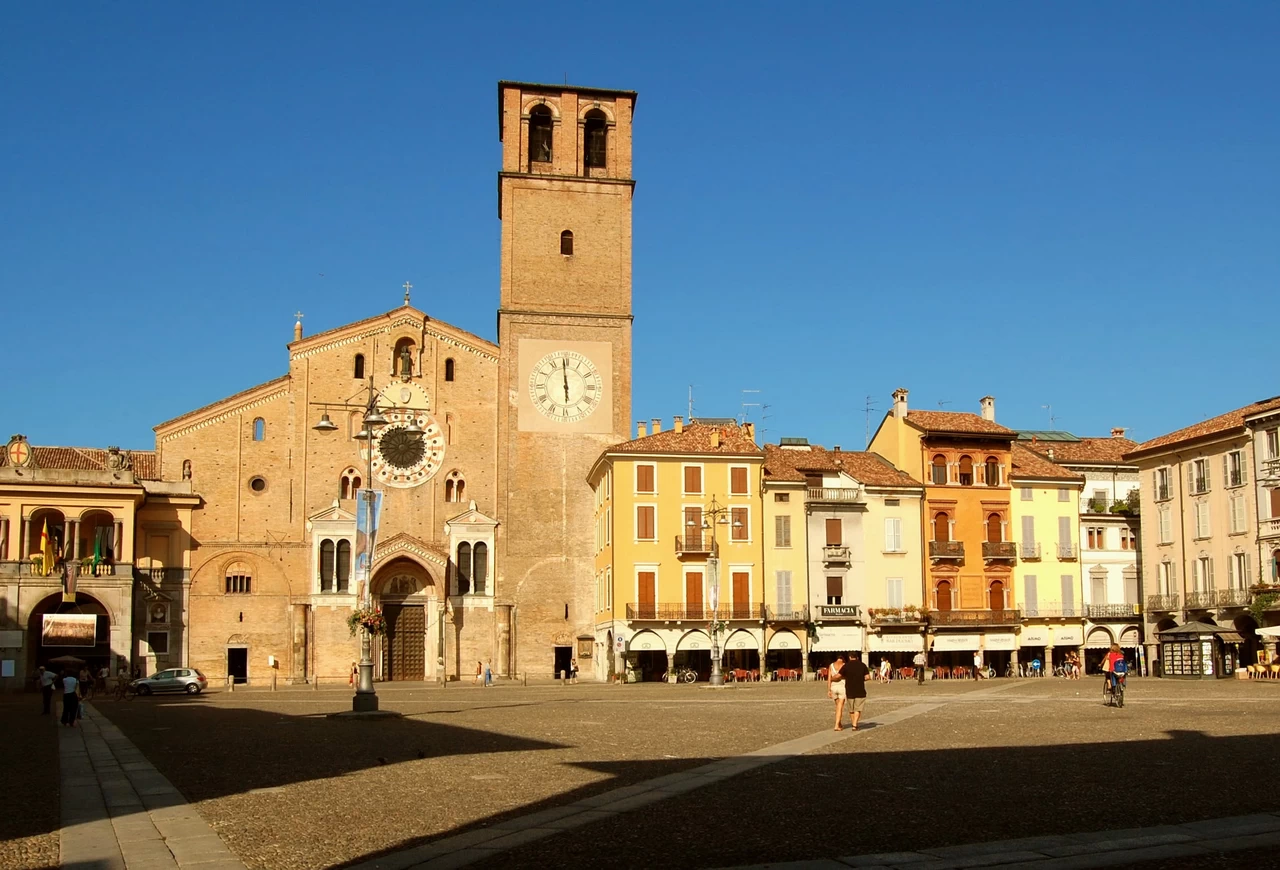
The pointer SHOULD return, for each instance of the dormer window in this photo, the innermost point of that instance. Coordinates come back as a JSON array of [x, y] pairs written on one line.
[[540, 135]]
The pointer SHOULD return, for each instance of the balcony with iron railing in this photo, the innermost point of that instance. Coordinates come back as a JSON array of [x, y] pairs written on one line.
[[1067, 551], [1101, 612], [1162, 492], [1029, 552], [1271, 468], [999, 550], [974, 617], [835, 494], [691, 612], [908, 615], [1210, 599], [1163, 603], [1052, 610], [946, 550], [786, 614], [835, 554], [694, 545]]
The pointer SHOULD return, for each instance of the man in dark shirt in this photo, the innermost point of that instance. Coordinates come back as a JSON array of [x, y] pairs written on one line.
[[856, 676]]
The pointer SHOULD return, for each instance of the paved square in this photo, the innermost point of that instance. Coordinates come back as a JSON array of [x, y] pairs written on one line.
[[466, 768]]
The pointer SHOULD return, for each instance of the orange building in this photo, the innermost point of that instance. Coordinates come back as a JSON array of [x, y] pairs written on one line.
[[964, 461]]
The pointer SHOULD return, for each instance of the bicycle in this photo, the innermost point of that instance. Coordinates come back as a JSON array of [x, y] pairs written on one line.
[[682, 675], [1010, 672], [1113, 697]]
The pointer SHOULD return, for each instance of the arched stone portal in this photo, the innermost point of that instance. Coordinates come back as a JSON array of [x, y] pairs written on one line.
[[407, 594], [95, 654]]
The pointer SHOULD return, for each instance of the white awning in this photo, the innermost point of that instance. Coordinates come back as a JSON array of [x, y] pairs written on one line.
[[956, 642], [1130, 636], [1034, 635], [646, 641], [741, 639], [1068, 635], [999, 641], [784, 640], [838, 638], [693, 640], [896, 641], [1270, 631], [1099, 638]]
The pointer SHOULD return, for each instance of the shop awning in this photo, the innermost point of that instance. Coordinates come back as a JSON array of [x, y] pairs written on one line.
[[1194, 629], [999, 641], [646, 641], [1034, 635], [1129, 638], [838, 638], [1270, 631], [1099, 638], [896, 641], [741, 639], [783, 640], [693, 640], [1068, 635], [956, 642]]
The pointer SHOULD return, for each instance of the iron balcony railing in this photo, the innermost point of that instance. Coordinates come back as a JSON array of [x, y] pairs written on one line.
[[1052, 610], [165, 575], [786, 614], [1163, 603], [835, 553], [1112, 611], [1030, 551], [946, 549], [974, 617], [694, 545], [1201, 600], [999, 550], [839, 494], [1234, 598], [1067, 550], [1162, 492], [1211, 598], [692, 612]]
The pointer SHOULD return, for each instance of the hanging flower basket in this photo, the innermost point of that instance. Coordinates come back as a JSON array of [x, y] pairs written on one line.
[[368, 618]]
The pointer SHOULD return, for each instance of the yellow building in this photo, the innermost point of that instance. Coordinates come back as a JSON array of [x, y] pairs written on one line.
[[664, 503], [1047, 577], [848, 523]]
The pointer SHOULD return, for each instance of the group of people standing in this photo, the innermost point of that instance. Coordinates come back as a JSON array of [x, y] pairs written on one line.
[[73, 687]]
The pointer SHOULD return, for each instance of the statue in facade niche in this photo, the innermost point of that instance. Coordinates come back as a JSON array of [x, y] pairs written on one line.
[[406, 362]]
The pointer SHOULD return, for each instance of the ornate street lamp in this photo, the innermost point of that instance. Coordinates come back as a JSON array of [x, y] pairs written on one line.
[[714, 515]]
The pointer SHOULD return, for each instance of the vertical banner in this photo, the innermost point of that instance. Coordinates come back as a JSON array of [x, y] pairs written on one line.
[[368, 513], [69, 581]]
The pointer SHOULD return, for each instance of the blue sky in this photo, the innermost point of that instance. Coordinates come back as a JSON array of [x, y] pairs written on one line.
[[1074, 205]]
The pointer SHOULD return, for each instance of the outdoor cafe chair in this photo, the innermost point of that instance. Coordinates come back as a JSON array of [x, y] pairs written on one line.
[[941, 672]]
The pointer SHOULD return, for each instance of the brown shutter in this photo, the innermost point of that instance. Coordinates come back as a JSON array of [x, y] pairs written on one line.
[[644, 478], [648, 594], [644, 522], [835, 588], [693, 527], [834, 537], [738, 481], [740, 530], [813, 481], [741, 595], [693, 594], [692, 479]]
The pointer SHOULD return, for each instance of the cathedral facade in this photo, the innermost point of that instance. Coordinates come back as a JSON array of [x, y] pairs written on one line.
[[484, 547]]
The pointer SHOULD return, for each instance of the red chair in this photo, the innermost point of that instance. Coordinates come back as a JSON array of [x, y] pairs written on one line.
[[822, 673], [941, 673], [908, 672]]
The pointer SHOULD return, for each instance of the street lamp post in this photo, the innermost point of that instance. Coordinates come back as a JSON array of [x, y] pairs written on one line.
[[714, 515]]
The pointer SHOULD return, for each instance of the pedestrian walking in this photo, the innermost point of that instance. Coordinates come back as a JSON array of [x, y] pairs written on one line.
[[488, 673], [977, 665], [921, 661], [836, 688], [479, 672], [86, 683], [856, 675], [46, 678], [100, 684], [573, 671], [355, 675], [70, 698]]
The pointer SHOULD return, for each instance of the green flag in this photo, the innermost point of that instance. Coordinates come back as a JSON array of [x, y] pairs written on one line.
[[97, 546]]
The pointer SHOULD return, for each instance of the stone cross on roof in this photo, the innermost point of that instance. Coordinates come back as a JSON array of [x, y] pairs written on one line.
[[407, 287]]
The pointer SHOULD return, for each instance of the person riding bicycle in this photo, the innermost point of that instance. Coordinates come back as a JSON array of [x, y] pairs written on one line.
[[1114, 665]]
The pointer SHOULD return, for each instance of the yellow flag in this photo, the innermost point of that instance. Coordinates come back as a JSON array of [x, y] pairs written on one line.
[[46, 550]]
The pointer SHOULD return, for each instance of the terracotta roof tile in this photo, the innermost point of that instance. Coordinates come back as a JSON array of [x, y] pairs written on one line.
[[956, 421], [1099, 450], [145, 466], [1028, 463], [1214, 426], [790, 464], [696, 438]]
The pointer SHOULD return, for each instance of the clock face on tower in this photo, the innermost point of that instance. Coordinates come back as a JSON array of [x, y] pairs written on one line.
[[409, 450], [565, 386]]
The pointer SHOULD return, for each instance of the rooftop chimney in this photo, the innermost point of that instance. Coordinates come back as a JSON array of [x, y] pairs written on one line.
[[715, 437], [640, 432], [1118, 432], [679, 424], [900, 403], [657, 425], [837, 448], [988, 404], [750, 430]]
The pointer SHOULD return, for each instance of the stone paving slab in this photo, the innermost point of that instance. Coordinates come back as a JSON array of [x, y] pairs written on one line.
[[124, 815]]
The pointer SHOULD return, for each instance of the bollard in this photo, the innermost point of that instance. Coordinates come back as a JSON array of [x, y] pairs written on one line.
[[231, 682], [273, 679], [315, 683]]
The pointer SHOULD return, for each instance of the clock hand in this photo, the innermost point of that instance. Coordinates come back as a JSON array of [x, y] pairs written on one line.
[[564, 369]]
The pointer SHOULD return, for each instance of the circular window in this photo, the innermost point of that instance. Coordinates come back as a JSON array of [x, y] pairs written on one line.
[[257, 484]]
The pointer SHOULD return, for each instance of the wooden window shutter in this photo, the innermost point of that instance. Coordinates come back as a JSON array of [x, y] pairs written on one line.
[[644, 478], [740, 529], [835, 587], [692, 479], [782, 531], [834, 529], [644, 522], [738, 481]]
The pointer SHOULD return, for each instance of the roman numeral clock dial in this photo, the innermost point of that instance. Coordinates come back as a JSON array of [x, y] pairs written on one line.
[[565, 386]]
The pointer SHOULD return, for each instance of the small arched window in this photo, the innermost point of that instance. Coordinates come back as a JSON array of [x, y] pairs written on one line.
[[595, 135], [993, 471], [343, 571], [459, 490], [462, 570], [995, 595], [358, 371], [942, 595], [966, 471], [540, 135], [995, 528], [327, 553], [259, 429], [939, 470], [448, 369], [448, 428], [239, 579], [454, 487], [349, 486], [566, 243], [481, 571], [941, 527]]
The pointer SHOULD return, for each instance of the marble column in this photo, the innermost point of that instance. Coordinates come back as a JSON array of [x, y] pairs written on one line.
[[117, 542], [4, 538], [75, 541], [24, 543]]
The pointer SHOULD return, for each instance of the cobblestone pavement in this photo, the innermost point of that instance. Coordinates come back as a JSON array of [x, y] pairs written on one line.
[[29, 799], [287, 787]]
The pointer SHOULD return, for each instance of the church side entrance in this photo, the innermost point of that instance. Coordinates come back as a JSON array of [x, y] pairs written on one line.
[[404, 655]]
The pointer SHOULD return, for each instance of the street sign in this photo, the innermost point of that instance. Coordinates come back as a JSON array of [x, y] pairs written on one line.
[[620, 644]]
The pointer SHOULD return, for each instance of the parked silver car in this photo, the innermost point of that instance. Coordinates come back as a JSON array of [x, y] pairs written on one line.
[[187, 680]]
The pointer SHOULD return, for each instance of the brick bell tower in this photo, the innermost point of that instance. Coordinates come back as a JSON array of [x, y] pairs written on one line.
[[564, 329]]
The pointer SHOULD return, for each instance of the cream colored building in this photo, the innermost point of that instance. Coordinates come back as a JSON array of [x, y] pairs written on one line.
[[1201, 536]]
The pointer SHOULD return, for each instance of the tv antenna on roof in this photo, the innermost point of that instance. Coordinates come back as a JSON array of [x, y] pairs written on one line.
[[868, 408], [1052, 419], [742, 416], [941, 403], [691, 403]]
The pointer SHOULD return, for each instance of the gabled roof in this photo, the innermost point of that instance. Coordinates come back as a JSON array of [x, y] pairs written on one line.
[[696, 438], [320, 338], [791, 463], [1230, 422], [143, 462], [1101, 451], [961, 422], [1029, 464]]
